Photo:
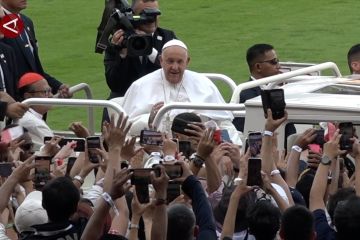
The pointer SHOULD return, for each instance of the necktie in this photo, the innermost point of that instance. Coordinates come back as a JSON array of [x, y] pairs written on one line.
[[26, 43]]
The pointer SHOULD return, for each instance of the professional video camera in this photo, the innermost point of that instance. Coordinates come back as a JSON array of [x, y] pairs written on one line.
[[136, 44]]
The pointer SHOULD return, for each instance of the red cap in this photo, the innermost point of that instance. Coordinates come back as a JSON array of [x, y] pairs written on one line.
[[29, 78]]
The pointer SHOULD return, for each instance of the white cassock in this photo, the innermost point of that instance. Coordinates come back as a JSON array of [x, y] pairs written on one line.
[[194, 88]]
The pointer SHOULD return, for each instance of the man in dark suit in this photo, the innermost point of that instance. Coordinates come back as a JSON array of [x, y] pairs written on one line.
[[122, 70], [8, 83], [263, 62], [10, 76], [26, 50]]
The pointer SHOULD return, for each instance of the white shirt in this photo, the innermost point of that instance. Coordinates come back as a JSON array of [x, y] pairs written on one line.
[[152, 88], [37, 127]]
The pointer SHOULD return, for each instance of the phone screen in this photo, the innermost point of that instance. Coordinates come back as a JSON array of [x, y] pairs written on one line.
[[5, 169], [93, 143], [42, 171], [347, 132], [254, 172], [70, 164], [255, 142], [148, 137]]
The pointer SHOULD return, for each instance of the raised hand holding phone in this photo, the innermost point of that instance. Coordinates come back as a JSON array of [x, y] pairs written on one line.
[[272, 124]]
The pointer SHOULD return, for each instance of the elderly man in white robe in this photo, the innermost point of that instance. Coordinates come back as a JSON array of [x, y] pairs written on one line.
[[173, 83]]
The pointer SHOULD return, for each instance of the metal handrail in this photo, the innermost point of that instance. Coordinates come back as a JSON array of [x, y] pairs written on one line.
[[88, 93], [75, 102], [227, 80], [200, 106], [298, 79], [281, 77]]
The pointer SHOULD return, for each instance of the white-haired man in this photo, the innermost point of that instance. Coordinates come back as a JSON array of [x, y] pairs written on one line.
[[174, 83]]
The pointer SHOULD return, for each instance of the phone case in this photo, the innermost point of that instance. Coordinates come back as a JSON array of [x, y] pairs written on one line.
[[254, 172], [275, 100]]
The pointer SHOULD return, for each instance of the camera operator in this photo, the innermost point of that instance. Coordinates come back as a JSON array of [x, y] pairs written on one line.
[[120, 68]]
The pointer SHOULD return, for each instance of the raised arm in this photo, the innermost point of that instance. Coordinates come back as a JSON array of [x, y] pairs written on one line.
[[267, 163], [106, 202], [209, 153], [114, 135], [301, 142], [230, 217], [318, 188], [201, 205], [159, 230]]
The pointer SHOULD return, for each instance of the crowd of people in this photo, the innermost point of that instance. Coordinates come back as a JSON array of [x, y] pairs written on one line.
[[193, 178]]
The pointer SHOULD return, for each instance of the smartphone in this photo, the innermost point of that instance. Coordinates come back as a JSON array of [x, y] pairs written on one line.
[[319, 139], [347, 132], [185, 148], [80, 143], [173, 191], [225, 136], [275, 100], [254, 172], [42, 171], [70, 164], [141, 176], [10, 134], [142, 193], [93, 142], [172, 170], [5, 169], [150, 137], [255, 142]]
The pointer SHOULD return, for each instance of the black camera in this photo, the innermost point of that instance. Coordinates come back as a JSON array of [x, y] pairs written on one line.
[[124, 18]]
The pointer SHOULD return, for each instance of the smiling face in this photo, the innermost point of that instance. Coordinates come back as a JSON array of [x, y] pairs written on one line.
[[174, 61]]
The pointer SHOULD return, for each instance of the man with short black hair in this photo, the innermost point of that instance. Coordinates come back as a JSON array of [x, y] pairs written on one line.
[[181, 223], [347, 219], [290, 228], [60, 198], [26, 48], [353, 58], [263, 62]]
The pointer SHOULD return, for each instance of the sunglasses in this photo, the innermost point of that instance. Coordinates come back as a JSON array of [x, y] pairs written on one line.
[[273, 61]]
